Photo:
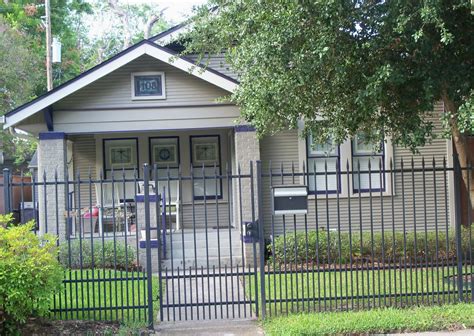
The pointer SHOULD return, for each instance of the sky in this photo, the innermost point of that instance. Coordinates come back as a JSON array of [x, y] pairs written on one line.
[[177, 10]]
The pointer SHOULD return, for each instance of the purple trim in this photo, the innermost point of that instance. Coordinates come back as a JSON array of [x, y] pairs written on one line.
[[48, 117], [244, 128], [154, 130], [52, 135], [151, 198], [247, 240], [153, 243]]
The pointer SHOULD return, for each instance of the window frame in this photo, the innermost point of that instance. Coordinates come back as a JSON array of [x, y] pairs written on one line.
[[323, 156], [104, 162], [219, 165], [148, 73], [367, 154], [346, 184], [150, 151]]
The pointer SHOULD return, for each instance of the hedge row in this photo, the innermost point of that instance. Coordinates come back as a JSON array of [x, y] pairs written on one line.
[[80, 254], [336, 247]]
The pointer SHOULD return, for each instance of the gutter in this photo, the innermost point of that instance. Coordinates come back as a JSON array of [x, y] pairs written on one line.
[[23, 135]]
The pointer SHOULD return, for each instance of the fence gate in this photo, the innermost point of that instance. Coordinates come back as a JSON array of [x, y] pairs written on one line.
[[205, 265]]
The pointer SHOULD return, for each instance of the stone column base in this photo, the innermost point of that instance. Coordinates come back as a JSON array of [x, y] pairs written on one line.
[[249, 254]]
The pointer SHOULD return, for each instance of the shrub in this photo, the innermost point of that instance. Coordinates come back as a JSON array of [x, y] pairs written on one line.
[[321, 247], [81, 254], [29, 273]]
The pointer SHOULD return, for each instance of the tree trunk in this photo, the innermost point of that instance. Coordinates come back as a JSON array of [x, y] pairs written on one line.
[[462, 148]]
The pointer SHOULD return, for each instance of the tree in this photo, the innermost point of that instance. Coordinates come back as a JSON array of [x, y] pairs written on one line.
[[347, 66], [121, 25], [20, 70], [26, 16], [22, 58]]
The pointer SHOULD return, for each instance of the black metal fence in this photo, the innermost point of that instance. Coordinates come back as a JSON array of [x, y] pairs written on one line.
[[214, 244], [406, 241]]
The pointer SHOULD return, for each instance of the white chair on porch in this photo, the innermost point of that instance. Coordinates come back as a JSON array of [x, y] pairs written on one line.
[[111, 207], [172, 198]]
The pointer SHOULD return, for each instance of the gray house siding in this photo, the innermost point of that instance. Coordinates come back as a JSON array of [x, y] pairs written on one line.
[[107, 104], [283, 149], [83, 164], [217, 62]]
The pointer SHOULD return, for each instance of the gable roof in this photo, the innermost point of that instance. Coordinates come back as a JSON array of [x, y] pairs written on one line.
[[167, 36], [144, 47]]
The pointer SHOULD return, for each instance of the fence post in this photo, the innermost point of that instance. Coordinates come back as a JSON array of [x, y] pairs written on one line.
[[457, 222], [146, 192], [6, 191], [261, 238]]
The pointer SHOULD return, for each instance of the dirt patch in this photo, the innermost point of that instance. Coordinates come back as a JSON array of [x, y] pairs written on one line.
[[42, 327]]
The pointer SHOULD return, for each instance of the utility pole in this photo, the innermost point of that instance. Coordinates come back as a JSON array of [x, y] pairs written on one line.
[[49, 64]]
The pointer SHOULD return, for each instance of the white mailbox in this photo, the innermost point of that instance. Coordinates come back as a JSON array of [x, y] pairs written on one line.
[[290, 200]]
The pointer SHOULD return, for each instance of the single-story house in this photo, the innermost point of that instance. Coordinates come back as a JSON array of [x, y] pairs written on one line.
[[147, 105]]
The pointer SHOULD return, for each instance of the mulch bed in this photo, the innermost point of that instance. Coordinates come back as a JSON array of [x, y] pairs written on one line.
[[43, 327]]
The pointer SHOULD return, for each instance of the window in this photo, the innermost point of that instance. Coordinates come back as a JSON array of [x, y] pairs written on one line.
[[323, 159], [365, 154], [121, 158], [165, 154], [148, 85], [354, 154], [206, 160]]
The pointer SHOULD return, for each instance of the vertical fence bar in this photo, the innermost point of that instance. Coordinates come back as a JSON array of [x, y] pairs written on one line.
[[254, 247], [457, 200], [6, 191], [146, 191], [469, 225], [261, 238]]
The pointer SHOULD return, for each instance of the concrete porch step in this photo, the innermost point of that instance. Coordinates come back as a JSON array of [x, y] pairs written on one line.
[[197, 263], [202, 252], [201, 236]]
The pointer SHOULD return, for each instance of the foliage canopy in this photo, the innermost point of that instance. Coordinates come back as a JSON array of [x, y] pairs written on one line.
[[345, 66]]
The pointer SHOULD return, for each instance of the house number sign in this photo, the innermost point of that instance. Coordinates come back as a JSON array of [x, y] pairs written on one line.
[[148, 85]]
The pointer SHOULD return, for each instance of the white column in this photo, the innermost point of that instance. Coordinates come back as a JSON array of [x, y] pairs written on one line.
[[52, 200]]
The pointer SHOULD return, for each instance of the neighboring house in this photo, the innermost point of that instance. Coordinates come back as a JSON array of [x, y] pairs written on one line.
[[146, 105]]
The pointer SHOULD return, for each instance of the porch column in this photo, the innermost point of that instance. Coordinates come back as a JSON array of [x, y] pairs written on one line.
[[247, 149], [51, 205]]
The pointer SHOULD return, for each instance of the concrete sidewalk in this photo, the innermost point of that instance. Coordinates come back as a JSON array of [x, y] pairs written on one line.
[[213, 327], [466, 332]]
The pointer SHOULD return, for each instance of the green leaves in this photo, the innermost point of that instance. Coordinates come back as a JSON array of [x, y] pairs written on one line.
[[29, 272], [378, 65]]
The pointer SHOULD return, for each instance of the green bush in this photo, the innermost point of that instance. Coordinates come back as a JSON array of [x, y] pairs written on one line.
[[29, 273], [81, 254], [325, 248]]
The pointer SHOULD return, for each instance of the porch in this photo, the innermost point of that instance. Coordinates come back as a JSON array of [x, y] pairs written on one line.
[[188, 167], [193, 192]]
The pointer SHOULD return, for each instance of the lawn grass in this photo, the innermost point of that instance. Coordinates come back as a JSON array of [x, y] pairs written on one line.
[[356, 289], [104, 295], [386, 320]]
